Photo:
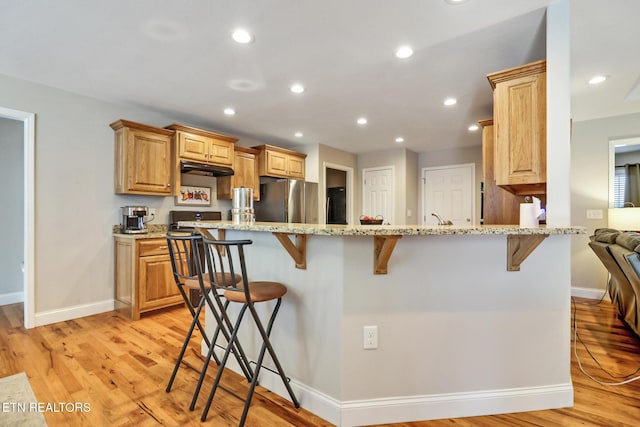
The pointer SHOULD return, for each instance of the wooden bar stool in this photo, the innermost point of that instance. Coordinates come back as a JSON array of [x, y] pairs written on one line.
[[227, 257]]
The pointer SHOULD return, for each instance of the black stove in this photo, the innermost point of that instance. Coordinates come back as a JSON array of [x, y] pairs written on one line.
[[176, 216]]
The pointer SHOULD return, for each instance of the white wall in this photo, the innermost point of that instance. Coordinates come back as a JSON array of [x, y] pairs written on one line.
[[11, 209], [590, 189]]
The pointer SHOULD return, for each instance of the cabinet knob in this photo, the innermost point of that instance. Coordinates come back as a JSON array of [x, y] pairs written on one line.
[[168, 185]]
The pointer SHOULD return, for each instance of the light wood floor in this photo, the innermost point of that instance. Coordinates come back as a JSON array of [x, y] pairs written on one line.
[[120, 369]]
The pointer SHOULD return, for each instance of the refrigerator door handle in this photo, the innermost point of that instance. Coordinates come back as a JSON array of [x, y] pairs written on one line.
[[326, 220]]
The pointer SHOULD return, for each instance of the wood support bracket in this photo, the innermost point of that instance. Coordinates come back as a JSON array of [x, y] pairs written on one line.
[[520, 246], [298, 251], [382, 249]]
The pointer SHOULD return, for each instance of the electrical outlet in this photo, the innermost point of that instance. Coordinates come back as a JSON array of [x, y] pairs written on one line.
[[594, 213], [370, 334]]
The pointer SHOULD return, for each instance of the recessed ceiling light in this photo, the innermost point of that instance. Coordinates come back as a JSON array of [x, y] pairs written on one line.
[[241, 35], [455, 1], [404, 52], [362, 121], [473, 128], [450, 101], [399, 140], [297, 88], [597, 79], [298, 134], [229, 111]]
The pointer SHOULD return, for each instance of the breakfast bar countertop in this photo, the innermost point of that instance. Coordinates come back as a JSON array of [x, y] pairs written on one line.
[[384, 230]]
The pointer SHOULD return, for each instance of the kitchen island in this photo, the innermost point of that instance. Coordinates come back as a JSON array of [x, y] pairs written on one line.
[[458, 333]]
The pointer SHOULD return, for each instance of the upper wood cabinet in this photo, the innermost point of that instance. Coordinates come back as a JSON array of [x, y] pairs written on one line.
[[498, 206], [280, 162], [203, 146], [142, 159], [520, 126], [245, 168]]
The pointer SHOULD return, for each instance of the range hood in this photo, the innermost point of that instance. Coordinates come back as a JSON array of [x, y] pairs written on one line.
[[204, 169]]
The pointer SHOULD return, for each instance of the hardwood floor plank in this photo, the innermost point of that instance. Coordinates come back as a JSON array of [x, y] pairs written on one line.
[[120, 368]]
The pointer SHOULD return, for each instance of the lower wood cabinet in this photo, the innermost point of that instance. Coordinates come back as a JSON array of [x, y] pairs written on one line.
[[143, 276]]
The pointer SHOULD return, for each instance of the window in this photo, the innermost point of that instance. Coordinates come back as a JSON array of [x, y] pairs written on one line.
[[618, 187]]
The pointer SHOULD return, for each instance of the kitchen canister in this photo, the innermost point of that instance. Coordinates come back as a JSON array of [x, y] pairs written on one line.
[[242, 206]]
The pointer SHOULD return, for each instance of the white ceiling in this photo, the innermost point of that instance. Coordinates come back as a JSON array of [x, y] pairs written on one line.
[[177, 57]]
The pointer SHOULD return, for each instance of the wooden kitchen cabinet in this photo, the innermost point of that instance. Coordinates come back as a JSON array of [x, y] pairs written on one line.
[[143, 157], [203, 146], [520, 114], [499, 206], [280, 162], [245, 167], [143, 276]]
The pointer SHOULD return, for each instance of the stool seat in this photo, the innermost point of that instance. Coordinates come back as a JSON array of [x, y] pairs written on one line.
[[194, 282], [259, 292]]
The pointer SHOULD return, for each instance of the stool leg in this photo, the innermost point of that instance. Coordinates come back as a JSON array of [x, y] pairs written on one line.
[[194, 322], [234, 335], [266, 345], [238, 351], [235, 348]]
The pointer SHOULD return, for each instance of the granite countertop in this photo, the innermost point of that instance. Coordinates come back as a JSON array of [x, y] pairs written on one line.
[[383, 230], [156, 231]]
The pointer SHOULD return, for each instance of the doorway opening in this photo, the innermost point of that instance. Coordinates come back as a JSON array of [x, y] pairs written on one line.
[[28, 227], [449, 191], [378, 196], [338, 194]]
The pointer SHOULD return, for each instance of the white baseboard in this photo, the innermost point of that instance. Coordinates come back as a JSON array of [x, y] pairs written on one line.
[[455, 405], [74, 312], [589, 293], [11, 298], [417, 408]]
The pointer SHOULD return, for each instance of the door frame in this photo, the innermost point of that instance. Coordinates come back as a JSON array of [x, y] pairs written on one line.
[[393, 189], [472, 193], [29, 122], [322, 191]]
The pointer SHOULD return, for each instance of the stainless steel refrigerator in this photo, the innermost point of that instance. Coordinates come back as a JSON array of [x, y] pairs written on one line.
[[288, 200]]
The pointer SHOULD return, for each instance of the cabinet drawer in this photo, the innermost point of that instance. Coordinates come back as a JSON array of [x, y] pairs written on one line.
[[152, 247]]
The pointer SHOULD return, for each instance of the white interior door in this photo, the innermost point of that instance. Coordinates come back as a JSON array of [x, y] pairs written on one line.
[[377, 193], [449, 192]]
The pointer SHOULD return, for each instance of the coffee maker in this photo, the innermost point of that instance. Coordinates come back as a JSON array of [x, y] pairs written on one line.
[[134, 219]]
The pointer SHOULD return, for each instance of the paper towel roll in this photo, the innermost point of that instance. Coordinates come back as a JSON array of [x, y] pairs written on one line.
[[528, 215]]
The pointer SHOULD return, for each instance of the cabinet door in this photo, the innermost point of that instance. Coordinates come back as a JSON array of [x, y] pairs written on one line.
[[245, 167], [246, 172], [193, 147], [149, 162], [520, 120], [499, 205], [296, 167], [156, 286], [221, 153], [277, 163]]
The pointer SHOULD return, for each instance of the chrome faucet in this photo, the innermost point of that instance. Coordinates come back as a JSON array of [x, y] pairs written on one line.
[[442, 221]]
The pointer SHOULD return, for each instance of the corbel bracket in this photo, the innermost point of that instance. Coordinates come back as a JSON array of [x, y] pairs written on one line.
[[382, 249], [520, 246], [297, 251]]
